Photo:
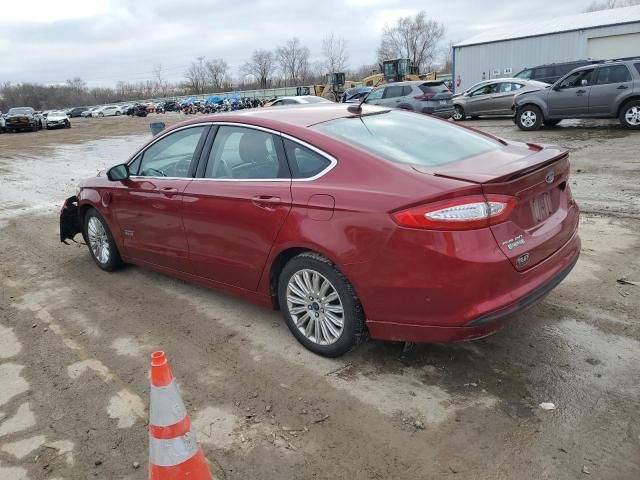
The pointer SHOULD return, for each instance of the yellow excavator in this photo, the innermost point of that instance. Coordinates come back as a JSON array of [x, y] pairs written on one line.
[[396, 70], [334, 87]]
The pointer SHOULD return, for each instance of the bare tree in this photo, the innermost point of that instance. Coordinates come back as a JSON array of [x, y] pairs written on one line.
[[196, 76], [416, 38], [161, 83], [217, 72], [598, 5], [261, 65], [293, 58], [335, 53]]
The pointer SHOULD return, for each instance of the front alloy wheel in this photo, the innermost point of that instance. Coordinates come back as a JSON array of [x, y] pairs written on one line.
[[458, 114], [529, 118], [100, 241]]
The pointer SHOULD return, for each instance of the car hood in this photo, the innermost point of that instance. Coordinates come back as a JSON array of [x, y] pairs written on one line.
[[56, 117], [19, 115]]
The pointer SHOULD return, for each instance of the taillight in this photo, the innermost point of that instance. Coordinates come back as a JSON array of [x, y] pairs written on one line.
[[465, 213], [424, 96]]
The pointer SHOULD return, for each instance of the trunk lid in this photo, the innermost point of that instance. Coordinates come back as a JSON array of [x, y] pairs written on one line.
[[545, 216]]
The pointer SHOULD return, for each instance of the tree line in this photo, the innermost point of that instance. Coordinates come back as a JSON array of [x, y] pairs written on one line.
[[415, 37]]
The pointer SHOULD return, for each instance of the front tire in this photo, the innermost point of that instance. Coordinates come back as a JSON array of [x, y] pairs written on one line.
[[630, 115], [320, 306], [102, 246], [529, 118], [458, 114]]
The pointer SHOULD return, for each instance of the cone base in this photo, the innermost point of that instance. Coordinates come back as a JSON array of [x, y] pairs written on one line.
[[196, 468]]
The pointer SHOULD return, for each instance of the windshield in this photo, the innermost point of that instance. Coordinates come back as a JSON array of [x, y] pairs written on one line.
[[20, 111], [409, 138]]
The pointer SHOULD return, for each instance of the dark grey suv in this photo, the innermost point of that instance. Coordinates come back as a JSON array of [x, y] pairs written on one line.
[[605, 90], [432, 97]]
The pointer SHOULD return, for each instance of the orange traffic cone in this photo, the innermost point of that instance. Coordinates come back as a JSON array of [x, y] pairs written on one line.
[[173, 450]]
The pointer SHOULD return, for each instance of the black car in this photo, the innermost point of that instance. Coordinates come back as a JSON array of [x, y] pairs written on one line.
[[77, 112], [21, 119], [551, 72]]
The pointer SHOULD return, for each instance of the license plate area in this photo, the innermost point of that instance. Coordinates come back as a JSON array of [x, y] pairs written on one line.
[[444, 102], [541, 207]]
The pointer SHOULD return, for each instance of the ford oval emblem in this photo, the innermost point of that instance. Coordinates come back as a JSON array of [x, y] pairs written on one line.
[[550, 177], [522, 260]]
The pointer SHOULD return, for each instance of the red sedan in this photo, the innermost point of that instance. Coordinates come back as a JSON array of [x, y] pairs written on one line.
[[352, 222]]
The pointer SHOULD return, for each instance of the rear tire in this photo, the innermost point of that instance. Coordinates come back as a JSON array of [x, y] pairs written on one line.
[[320, 306], [630, 115], [529, 118], [102, 246], [117, 114], [458, 114]]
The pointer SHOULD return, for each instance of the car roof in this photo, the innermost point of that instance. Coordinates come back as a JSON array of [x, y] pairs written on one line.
[[299, 115]]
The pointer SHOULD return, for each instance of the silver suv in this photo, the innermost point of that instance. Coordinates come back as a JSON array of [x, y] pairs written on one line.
[[604, 90], [432, 97]]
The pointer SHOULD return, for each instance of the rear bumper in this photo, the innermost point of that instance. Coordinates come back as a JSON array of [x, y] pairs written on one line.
[[439, 112], [462, 293]]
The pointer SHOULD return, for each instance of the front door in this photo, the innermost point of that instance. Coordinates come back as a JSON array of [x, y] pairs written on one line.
[[149, 206], [480, 100], [235, 208], [570, 96]]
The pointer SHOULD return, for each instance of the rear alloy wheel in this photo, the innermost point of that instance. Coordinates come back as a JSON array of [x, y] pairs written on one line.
[[320, 306], [458, 113], [529, 117], [630, 115], [101, 114], [101, 245]]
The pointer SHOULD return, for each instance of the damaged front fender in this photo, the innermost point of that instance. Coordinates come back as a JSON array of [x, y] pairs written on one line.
[[70, 224]]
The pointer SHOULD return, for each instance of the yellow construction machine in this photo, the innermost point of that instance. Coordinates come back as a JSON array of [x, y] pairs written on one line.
[[397, 70]]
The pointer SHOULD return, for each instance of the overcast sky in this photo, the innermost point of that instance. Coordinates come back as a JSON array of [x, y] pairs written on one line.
[[103, 41]]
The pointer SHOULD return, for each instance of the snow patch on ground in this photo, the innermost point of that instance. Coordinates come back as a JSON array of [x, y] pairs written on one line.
[[215, 426], [22, 448], [126, 408], [22, 420], [9, 344], [12, 382]]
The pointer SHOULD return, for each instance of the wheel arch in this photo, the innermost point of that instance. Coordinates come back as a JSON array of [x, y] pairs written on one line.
[[632, 98]]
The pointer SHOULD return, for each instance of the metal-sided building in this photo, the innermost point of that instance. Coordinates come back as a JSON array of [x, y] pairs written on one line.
[[602, 35]]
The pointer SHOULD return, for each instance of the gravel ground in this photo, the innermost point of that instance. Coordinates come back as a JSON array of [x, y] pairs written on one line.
[[74, 345]]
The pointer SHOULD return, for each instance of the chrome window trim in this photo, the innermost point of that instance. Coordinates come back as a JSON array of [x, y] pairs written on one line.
[[332, 160]]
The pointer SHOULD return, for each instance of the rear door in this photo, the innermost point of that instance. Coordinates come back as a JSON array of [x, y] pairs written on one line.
[[612, 83], [570, 96], [503, 99], [392, 96], [237, 204]]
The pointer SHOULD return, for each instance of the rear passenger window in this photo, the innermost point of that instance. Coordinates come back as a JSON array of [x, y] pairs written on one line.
[[406, 90], [544, 72], [613, 74], [637, 65], [304, 162], [394, 91], [240, 153]]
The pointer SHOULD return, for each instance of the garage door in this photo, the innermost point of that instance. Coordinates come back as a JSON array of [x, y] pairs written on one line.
[[615, 46]]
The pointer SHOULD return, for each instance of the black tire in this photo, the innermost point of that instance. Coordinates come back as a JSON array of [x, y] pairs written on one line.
[[101, 114], [67, 124], [353, 329], [529, 117], [113, 261], [459, 113], [34, 127], [631, 109], [117, 114], [551, 123]]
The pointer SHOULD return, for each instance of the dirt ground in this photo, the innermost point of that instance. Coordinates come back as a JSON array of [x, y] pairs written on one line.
[[75, 344]]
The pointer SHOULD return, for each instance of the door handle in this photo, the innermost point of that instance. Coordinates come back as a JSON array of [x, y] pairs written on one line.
[[266, 201], [169, 190], [580, 92], [622, 87]]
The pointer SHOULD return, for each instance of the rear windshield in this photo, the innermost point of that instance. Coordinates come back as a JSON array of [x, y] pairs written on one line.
[[315, 100], [405, 137], [434, 88]]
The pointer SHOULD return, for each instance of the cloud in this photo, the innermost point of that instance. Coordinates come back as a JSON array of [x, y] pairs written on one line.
[[103, 41]]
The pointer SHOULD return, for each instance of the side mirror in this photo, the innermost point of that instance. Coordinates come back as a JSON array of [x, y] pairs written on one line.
[[119, 173]]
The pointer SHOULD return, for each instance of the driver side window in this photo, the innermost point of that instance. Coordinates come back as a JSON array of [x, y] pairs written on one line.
[[581, 78], [170, 156], [375, 94]]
